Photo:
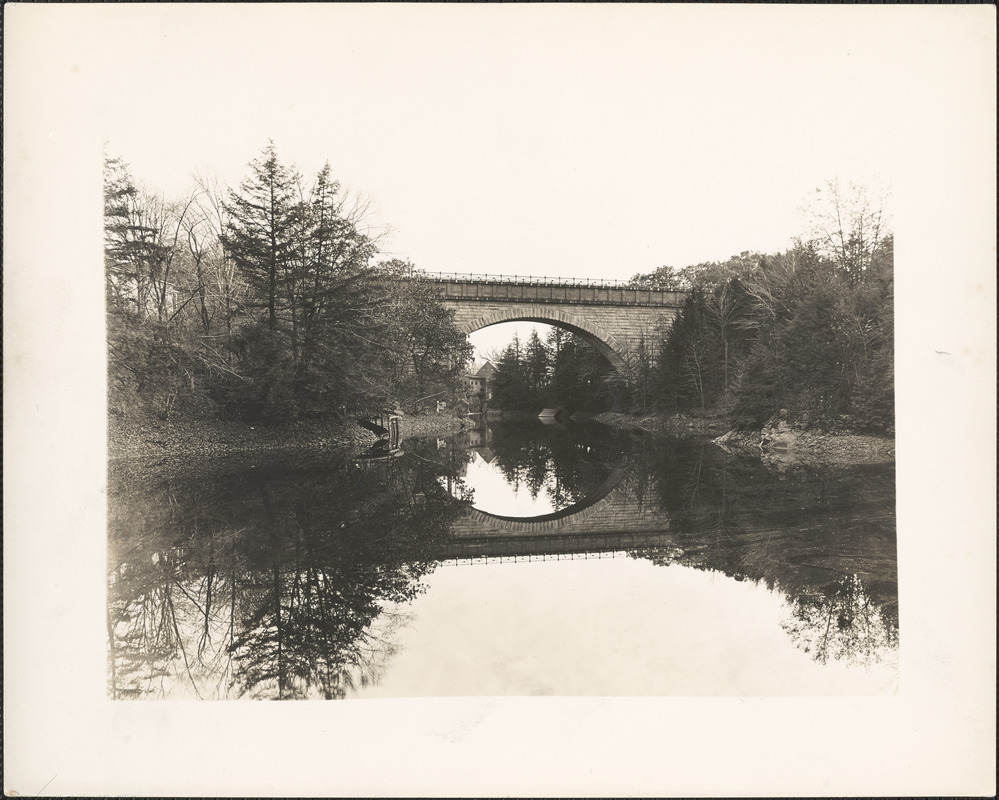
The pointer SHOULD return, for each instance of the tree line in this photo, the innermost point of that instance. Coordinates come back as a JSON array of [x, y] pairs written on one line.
[[808, 331], [263, 302], [562, 371]]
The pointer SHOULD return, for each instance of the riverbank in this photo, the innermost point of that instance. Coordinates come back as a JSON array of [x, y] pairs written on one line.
[[212, 438], [782, 445], [209, 438], [778, 442], [432, 425], [674, 425]]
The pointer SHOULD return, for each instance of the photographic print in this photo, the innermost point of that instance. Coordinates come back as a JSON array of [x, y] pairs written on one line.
[[520, 357], [338, 467]]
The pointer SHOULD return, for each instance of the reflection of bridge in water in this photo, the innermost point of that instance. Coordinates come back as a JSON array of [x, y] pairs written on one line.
[[608, 520]]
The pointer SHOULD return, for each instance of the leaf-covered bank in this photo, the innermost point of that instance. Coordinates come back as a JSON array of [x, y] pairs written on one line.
[[177, 439], [180, 438]]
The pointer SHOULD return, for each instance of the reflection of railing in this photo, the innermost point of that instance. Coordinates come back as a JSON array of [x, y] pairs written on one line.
[[488, 559], [553, 546], [538, 280]]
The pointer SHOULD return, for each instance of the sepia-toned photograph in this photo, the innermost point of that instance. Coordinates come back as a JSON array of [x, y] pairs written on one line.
[[441, 368], [336, 476]]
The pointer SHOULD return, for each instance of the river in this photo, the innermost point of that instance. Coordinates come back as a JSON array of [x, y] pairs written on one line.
[[512, 559]]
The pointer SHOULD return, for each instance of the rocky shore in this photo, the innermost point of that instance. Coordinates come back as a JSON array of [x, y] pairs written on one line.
[[782, 444], [779, 442]]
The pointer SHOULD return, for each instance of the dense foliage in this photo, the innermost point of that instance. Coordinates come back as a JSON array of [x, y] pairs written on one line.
[[809, 331], [563, 371], [264, 303]]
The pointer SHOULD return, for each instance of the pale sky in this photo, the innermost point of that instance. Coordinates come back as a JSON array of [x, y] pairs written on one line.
[[587, 141], [613, 626], [490, 342], [495, 495]]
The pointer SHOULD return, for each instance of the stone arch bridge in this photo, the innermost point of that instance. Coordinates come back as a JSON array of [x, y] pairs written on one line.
[[610, 315]]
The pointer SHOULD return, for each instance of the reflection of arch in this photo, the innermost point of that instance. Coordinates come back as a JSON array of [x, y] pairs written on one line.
[[577, 512], [605, 344]]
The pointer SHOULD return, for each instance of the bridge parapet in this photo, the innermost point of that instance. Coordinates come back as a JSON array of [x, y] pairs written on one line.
[[543, 280], [531, 289]]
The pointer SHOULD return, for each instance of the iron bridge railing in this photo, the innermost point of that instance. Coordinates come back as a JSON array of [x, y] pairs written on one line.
[[537, 280]]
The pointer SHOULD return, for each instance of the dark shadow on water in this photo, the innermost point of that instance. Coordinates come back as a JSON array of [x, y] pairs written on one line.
[[825, 539], [288, 580], [266, 583]]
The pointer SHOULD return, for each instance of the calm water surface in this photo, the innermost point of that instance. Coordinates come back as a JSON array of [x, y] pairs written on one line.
[[521, 559]]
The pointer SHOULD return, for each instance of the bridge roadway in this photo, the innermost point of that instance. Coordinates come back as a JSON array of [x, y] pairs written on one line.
[[612, 316]]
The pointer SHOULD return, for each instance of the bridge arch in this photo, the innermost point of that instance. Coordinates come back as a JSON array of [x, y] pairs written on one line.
[[604, 343]]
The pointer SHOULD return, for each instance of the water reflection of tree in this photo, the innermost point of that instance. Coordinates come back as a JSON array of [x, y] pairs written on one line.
[[567, 463], [275, 584], [843, 623], [825, 539], [448, 459]]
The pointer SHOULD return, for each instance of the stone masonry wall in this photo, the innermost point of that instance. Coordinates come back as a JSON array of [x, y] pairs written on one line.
[[617, 328], [613, 318], [616, 514]]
